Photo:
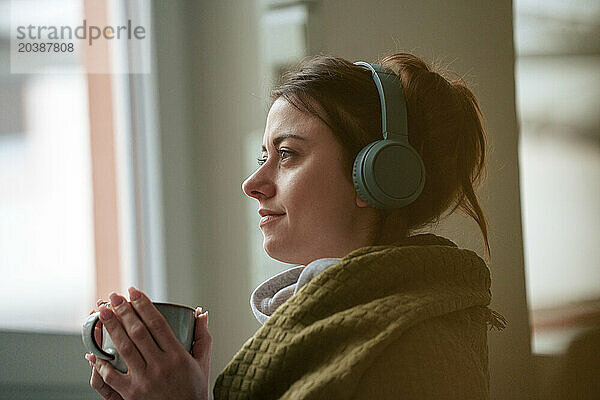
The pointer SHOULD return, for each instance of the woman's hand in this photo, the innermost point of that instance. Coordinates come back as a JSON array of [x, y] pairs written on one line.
[[96, 380], [98, 327], [158, 365]]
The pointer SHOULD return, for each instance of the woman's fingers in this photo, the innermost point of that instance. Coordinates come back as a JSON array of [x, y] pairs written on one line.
[[135, 326], [154, 320], [201, 348], [98, 333], [97, 381], [98, 327], [127, 349], [99, 302]]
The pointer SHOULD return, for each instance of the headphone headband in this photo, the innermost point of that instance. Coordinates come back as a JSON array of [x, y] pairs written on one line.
[[394, 123]]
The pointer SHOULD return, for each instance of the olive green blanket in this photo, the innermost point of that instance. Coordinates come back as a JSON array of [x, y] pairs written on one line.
[[351, 329]]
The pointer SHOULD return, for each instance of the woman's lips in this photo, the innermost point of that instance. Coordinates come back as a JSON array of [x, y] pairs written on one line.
[[267, 219]]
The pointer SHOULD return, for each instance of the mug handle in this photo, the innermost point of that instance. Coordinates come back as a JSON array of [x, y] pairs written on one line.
[[89, 341]]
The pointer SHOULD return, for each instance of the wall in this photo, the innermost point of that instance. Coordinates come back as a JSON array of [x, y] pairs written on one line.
[[220, 49], [43, 366]]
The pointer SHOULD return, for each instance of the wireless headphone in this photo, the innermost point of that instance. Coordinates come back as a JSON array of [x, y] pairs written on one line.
[[389, 173]]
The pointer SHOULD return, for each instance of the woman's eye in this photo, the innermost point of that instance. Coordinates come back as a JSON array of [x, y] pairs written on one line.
[[283, 154]]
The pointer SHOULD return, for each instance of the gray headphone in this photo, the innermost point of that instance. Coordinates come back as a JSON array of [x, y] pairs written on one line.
[[389, 173]]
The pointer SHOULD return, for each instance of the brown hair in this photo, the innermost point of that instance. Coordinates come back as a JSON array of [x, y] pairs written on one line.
[[444, 126]]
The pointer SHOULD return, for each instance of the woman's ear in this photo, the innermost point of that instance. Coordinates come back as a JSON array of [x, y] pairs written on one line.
[[360, 202]]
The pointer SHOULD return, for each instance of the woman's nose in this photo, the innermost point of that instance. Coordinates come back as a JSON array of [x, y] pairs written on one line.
[[258, 186]]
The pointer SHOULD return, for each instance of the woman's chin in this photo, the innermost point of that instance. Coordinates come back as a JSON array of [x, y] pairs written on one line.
[[273, 251], [279, 252]]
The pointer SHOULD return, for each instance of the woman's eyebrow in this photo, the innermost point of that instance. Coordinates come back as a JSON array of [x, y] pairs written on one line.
[[281, 138]]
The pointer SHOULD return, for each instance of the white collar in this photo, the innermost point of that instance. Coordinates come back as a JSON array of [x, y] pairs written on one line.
[[273, 292]]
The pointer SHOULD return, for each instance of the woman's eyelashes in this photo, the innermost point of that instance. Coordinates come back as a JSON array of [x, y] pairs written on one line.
[[284, 154]]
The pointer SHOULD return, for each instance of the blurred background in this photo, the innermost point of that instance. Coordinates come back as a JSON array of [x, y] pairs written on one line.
[[116, 179]]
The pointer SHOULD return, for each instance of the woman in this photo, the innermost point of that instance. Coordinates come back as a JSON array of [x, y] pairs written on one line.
[[373, 311]]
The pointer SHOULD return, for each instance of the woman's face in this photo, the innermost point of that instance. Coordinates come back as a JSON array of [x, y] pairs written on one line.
[[309, 208]]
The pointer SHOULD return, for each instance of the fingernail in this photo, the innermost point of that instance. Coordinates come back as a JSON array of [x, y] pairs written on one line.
[[198, 311], [115, 299], [90, 357], [105, 313], [134, 294]]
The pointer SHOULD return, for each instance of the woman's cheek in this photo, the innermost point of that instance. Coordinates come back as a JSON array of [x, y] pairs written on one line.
[[293, 182]]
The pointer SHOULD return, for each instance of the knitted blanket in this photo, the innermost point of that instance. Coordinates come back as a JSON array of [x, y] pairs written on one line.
[[320, 342]]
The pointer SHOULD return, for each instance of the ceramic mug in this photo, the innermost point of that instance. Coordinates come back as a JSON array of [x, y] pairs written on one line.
[[181, 319]]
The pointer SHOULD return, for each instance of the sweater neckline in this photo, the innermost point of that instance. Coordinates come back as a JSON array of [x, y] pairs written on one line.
[[276, 290]]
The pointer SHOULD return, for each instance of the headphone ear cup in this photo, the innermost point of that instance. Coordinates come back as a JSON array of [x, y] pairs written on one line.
[[388, 174], [358, 177]]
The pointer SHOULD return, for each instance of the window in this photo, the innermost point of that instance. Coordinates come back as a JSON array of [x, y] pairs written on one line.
[[46, 238], [558, 86], [77, 167]]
